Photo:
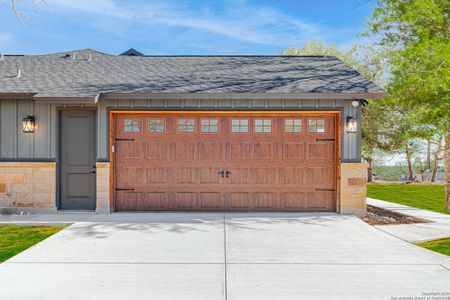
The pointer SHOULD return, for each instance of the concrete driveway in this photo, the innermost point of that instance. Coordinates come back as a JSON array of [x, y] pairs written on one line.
[[223, 256]]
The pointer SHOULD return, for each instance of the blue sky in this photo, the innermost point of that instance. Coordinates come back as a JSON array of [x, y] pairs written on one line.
[[180, 27]]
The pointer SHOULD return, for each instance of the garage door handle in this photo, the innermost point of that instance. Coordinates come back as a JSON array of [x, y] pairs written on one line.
[[325, 190], [222, 173], [227, 173]]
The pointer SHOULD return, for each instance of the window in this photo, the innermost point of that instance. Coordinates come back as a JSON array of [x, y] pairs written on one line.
[[155, 125], [263, 125], [209, 125], [316, 125], [293, 125], [132, 125], [186, 125], [239, 125]]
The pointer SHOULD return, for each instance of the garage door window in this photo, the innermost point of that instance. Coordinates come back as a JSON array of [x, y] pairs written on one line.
[[293, 125], [155, 125], [239, 125], [209, 125], [132, 125], [316, 125], [186, 125], [263, 125]]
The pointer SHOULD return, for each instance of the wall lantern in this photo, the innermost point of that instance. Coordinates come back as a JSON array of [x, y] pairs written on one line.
[[29, 124], [351, 124]]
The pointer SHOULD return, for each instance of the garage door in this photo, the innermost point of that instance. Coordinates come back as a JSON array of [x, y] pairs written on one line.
[[225, 162]]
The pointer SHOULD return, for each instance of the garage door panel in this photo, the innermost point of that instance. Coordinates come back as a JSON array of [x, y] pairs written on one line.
[[155, 150], [186, 200], [237, 171], [240, 176], [238, 201], [129, 149], [265, 176], [129, 201], [321, 200], [294, 150], [293, 201], [186, 151], [186, 175], [264, 200], [264, 150], [156, 200], [294, 175], [240, 150], [130, 176], [211, 151], [210, 201], [210, 175], [156, 175], [320, 177], [321, 151]]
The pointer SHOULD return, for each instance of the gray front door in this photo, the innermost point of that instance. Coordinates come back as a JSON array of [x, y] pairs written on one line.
[[78, 160]]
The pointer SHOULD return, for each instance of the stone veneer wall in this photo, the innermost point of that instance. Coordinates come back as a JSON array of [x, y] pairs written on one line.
[[27, 186], [353, 188], [103, 187]]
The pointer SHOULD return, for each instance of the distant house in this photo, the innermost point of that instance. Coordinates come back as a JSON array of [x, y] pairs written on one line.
[[85, 130]]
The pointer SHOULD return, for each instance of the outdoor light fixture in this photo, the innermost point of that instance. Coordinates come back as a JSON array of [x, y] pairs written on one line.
[[351, 124], [29, 124], [355, 103]]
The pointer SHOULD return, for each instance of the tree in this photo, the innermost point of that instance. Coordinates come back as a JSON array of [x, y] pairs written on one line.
[[371, 64], [13, 4], [375, 137], [437, 141], [416, 34]]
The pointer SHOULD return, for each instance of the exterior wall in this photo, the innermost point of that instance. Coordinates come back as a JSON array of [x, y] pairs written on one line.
[[353, 188], [27, 186], [34, 187], [351, 143], [43, 144], [103, 187], [16, 145]]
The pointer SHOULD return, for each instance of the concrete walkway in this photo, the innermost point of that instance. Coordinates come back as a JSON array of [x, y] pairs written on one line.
[[437, 227], [222, 256]]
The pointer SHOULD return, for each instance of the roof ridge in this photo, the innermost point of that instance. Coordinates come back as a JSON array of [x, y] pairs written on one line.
[[232, 55], [72, 51]]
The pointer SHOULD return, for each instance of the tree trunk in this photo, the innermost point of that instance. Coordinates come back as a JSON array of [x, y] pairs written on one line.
[[369, 170], [447, 169], [428, 159], [408, 159], [435, 168]]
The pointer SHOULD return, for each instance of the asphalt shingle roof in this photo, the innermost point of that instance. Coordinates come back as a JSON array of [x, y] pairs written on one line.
[[61, 75]]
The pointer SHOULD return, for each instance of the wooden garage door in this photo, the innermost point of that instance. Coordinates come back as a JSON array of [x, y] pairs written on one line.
[[225, 162]]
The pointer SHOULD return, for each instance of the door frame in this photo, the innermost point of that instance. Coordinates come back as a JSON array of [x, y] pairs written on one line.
[[59, 111], [338, 137]]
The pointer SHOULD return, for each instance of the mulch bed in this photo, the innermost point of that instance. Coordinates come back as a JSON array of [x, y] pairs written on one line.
[[379, 216]]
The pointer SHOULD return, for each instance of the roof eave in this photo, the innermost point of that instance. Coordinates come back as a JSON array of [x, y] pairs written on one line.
[[65, 99], [17, 96], [243, 96], [181, 96]]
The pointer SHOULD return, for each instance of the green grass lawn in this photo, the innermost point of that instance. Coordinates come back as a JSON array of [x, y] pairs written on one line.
[[14, 239], [425, 196], [441, 246]]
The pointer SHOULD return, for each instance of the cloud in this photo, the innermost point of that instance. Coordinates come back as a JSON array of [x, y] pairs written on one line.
[[236, 19]]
